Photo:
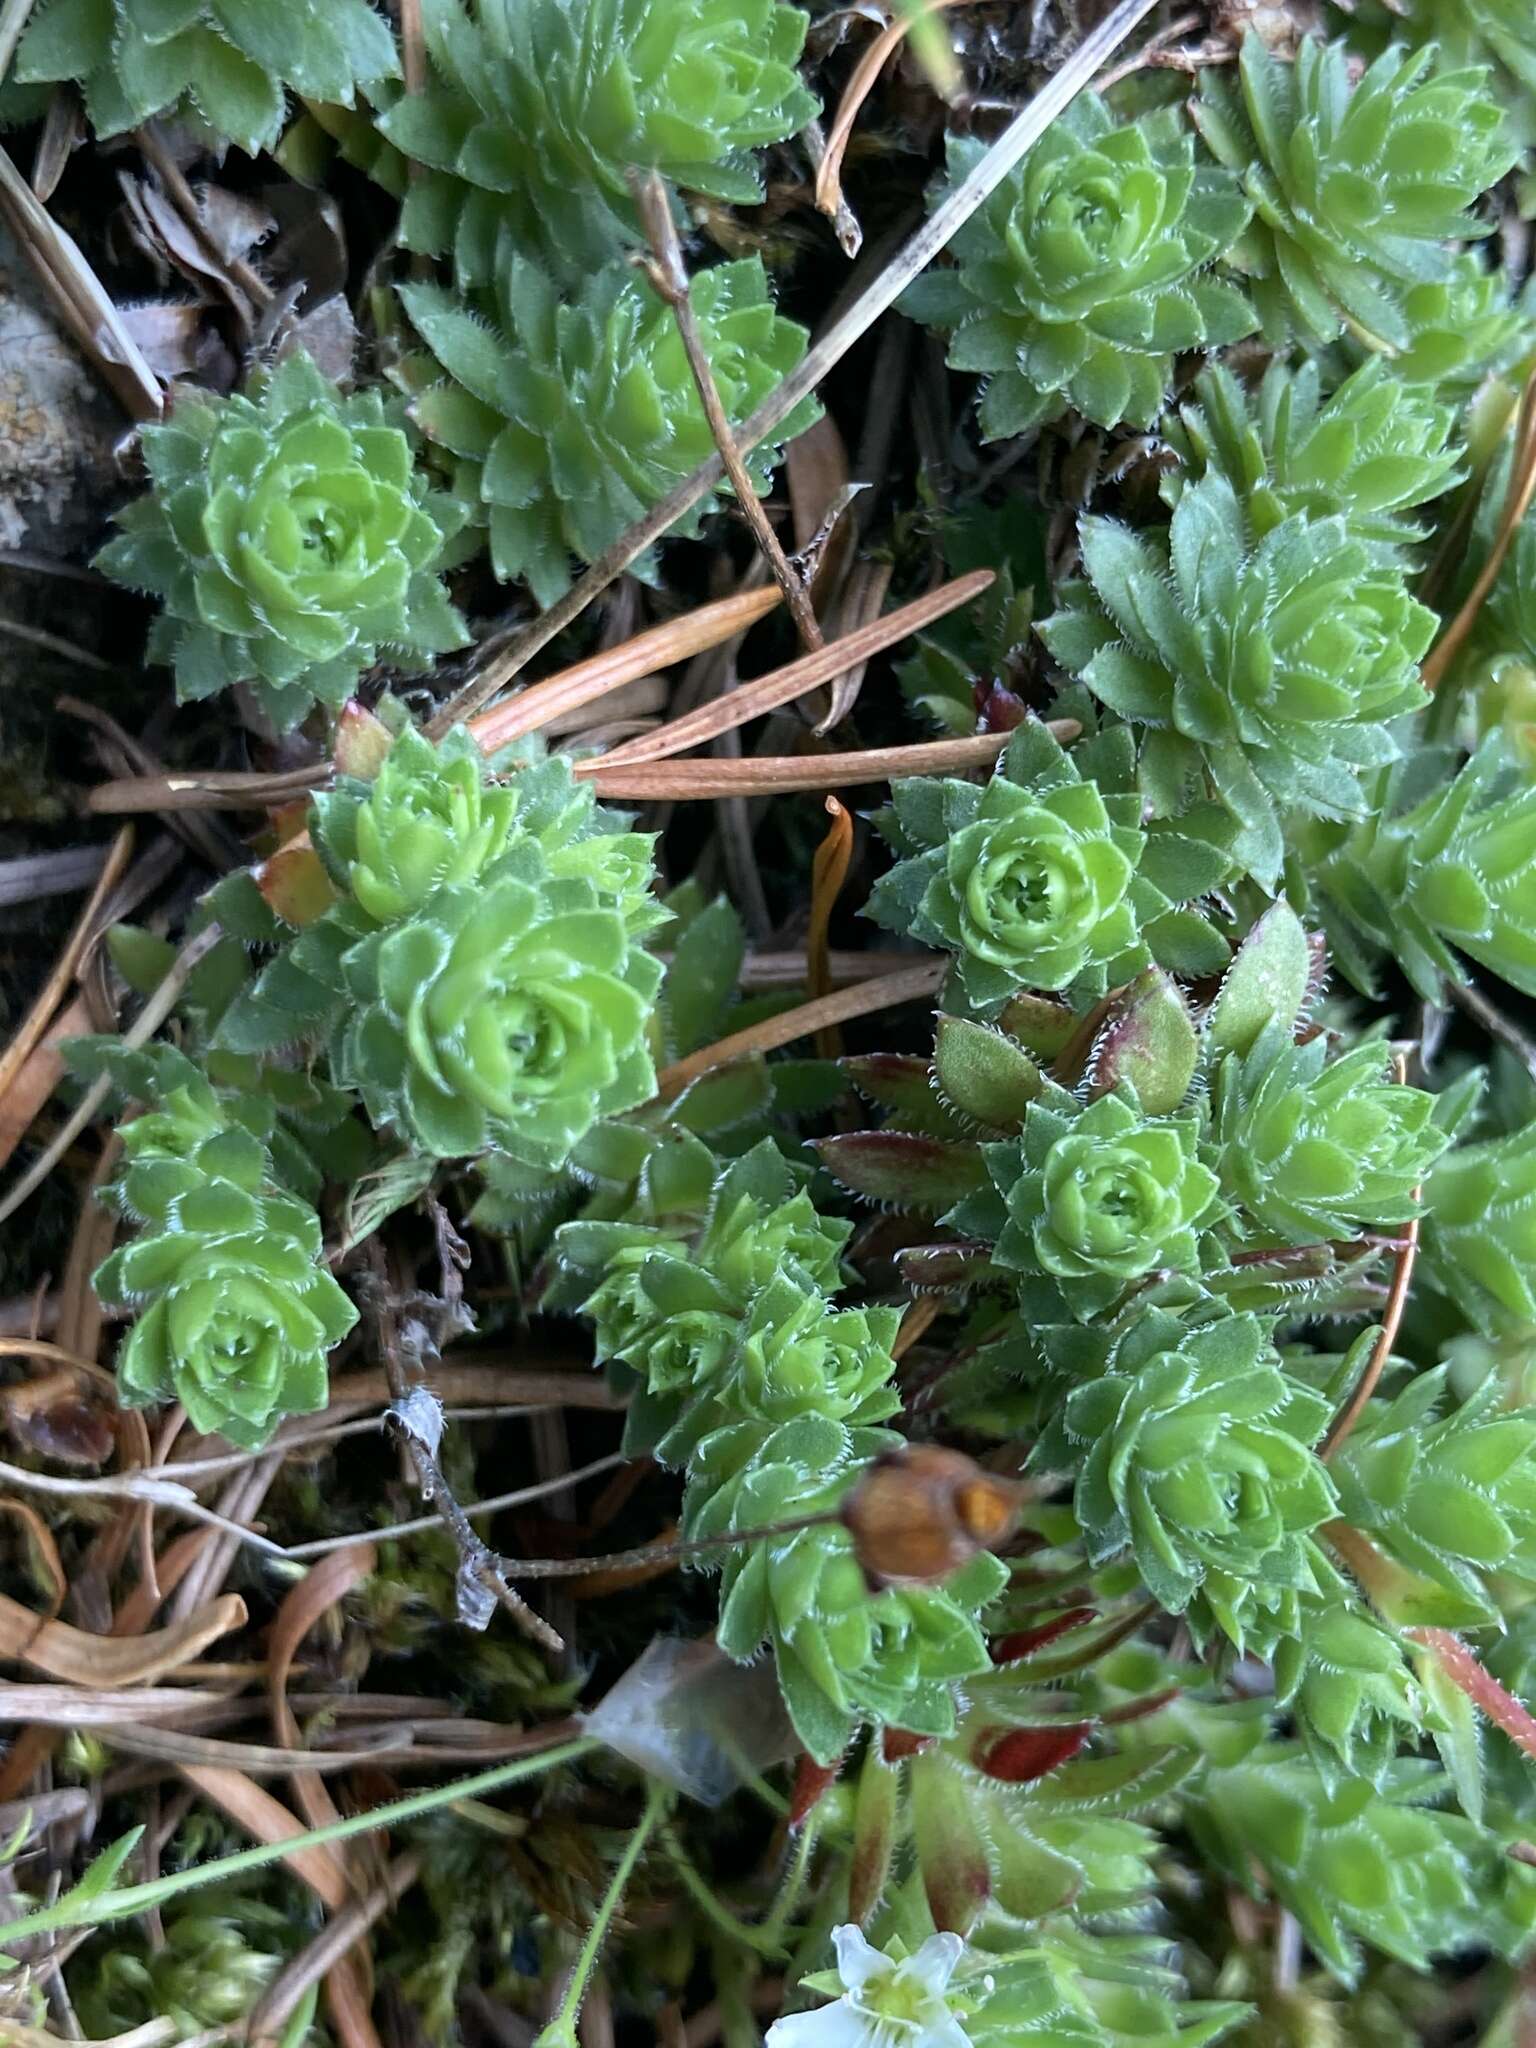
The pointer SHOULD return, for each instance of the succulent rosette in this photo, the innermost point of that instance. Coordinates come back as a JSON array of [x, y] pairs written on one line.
[[291, 541], [843, 1654], [1195, 1453], [563, 419], [533, 114], [502, 1010], [1449, 876], [1042, 878], [1083, 274], [1371, 452], [1272, 667], [227, 61], [431, 819], [237, 1311], [506, 1016], [1098, 1196], [1480, 1230], [1356, 190], [1356, 1861], [1316, 1150]]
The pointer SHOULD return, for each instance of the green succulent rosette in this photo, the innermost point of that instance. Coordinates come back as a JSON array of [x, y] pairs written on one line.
[[1446, 877], [509, 1016], [236, 1310], [1195, 1454], [1279, 701], [1083, 274], [1446, 1487], [1313, 1149], [1370, 453], [843, 1654], [431, 820], [533, 114], [1044, 879], [505, 1011], [1480, 1228], [1356, 191], [1098, 1197], [227, 61], [564, 419], [1459, 327], [1360, 1863], [291, 542], [1497, 34]]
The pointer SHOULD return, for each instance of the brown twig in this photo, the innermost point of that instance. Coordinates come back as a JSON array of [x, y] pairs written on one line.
[[861, 83], [479, 1566], [1391, 1323], [52, 993], [934, 234], [782, 686], [165, 167], [340, 1934], [668, 276], [771, 774], [864, 999], [1517, 498]]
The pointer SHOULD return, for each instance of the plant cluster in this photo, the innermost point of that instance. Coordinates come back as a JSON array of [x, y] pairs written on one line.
[[1093, 1423]]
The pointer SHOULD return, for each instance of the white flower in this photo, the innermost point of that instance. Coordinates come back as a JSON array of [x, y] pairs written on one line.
[[885, 2003]]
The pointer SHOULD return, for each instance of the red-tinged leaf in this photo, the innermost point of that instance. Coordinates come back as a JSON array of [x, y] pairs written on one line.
[[952, 1852], [997, 708], [902, 1168], [811, 1781], [1138, 1710], [1020, 1755], [1040, 1024], [1150, 1041], [874, 1834], [289, 821], [903, 1084], [1024, 1642], [897, 1744], [295, 885], [929, 1268], [362, 741]]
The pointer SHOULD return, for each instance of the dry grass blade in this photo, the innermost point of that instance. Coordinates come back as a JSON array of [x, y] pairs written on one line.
[[234, 790], [1020, 135], [1517, 498], [81, 1659], [77, 296], [658, 647], [143, 1028], [65, 968], [829, 871], [783, 685], [669, 280], [772, 774], [318, 1864], [861, 82], [864, 999], [40, 1074], [70, 1706], [320, 1955]]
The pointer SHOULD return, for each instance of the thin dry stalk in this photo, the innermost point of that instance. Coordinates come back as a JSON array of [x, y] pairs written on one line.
[[864, 999], [669, 279], [829, 871], [861, 83], [772, 774], [154, 1013], [1391, 1323], [659, 647], [783, 685], [77, 296], [35, 1023], [341, 1933], [934, 234], [1517, 499]]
